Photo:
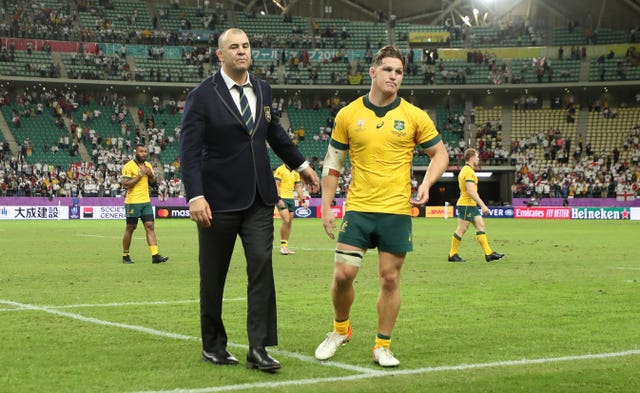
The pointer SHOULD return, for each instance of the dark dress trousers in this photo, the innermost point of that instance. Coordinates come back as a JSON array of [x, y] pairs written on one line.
[[229, 165]]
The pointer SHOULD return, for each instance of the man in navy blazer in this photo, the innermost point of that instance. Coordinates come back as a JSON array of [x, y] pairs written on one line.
[[226, 125]]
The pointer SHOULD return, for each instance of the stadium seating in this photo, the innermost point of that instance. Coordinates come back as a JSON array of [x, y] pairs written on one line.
[[37, 64], [103, 124], [169, 122], [131, 22], [611, 70], [173, 68], [530, 122], [606, 133], [39, 130], [124, 15]]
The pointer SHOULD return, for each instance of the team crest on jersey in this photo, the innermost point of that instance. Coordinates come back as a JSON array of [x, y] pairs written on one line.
[[398, 126], [360, 125], [267, 113]]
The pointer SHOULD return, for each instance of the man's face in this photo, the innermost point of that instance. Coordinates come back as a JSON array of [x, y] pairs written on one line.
[[141, 154], [387, 76], [235, 53], [475, 160]]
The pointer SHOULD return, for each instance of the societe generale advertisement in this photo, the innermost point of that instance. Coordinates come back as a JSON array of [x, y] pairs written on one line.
[[102, 213]]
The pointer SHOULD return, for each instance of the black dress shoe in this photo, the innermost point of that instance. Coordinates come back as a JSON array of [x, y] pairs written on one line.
[[219, 357], [257, 357]]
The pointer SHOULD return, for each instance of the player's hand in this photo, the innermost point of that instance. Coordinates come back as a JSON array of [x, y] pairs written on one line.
[[422, 196], [200, 212], [485, 211], [144, 170], [329, 222], [281, 203], [311, 180]]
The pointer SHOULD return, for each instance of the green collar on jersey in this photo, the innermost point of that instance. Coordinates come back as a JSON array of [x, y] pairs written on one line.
[[380, 111]]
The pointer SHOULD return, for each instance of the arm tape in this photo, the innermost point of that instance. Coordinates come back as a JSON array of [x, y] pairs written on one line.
[[333, 162]]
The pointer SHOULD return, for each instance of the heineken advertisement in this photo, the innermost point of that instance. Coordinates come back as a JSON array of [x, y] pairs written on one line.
[[600, 213]]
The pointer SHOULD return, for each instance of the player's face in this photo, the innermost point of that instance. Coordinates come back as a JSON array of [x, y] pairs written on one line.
[[387, 76], [141, 154], [235, 53], [474, 161]]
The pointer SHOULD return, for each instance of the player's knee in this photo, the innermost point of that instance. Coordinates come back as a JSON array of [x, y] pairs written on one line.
[[343, 276], [390, 279]]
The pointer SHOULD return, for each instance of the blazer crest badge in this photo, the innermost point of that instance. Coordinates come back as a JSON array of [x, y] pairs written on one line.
[[267, 113]]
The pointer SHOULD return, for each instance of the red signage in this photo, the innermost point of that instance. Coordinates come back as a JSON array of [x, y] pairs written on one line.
[[548, 213], [337, 211]]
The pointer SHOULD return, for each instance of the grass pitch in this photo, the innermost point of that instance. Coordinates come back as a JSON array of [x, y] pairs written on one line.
[[558, 314]]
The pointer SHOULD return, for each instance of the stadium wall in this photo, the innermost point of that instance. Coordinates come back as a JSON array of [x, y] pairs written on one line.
[[42, 208], [577, 202]]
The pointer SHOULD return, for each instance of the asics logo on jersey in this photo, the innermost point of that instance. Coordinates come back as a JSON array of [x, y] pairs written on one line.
[[380, 125]]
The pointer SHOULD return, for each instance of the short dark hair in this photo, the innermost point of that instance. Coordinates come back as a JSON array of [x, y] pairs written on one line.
[[140, 145], [387, 51]]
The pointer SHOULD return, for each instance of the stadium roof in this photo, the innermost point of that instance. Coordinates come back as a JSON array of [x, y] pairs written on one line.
[[617, 14]]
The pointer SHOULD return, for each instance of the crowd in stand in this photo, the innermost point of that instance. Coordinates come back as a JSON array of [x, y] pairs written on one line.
[[569, 169], [577, 173], [19, 176], [31, 19]]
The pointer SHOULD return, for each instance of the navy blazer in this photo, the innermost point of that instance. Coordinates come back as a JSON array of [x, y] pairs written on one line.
[[223, 160]]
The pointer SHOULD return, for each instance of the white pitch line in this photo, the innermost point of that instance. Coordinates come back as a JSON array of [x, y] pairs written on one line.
[[100, 321], [142, 238], [105, 237], [161, 333], [365, 373], [160, 303], [378, 374], [311, 249], [626, 268]]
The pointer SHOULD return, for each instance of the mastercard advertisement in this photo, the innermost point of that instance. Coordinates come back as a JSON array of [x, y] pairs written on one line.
[[172, 212]]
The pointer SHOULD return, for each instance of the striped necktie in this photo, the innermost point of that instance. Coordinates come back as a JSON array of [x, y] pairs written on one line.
[[244, 108]]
